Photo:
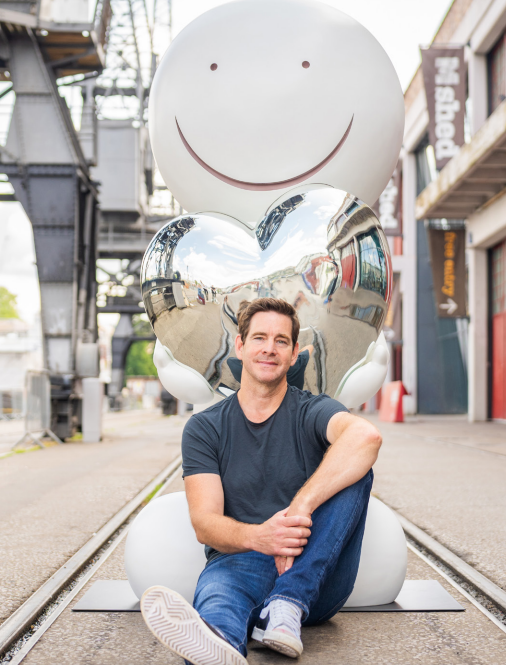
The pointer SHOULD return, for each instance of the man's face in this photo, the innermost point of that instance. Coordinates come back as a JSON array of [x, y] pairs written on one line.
[[267, 353]]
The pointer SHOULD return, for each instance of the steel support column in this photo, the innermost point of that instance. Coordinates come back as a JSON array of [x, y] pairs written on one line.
[[47, 169]]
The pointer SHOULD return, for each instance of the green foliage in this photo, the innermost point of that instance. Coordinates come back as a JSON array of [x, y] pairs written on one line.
[[141, 325], [8, 305], [139, 360]]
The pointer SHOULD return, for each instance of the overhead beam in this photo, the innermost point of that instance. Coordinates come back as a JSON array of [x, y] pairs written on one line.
[[471, 188], [486, 173], [14, 18], [124, 92], [121, 309], [462, 207], [75, 57], [464, 202], [499, 178]]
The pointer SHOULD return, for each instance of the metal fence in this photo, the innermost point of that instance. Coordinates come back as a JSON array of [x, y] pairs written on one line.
[[38, 409], [11, 405]]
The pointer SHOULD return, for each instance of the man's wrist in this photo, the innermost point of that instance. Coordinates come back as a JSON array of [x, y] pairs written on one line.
[[302, 505], [249, 536]]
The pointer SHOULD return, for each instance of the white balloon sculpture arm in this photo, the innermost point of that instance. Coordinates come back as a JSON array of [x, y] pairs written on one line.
[[365, 378], [181, 381]]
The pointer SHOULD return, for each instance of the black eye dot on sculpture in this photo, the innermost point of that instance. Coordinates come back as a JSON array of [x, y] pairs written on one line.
[[305, 64], [214, 67]]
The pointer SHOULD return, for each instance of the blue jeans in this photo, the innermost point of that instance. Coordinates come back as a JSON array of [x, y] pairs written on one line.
[[233, 589]]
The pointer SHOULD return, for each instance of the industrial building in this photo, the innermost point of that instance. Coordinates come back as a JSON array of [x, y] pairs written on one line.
[[448, 365]]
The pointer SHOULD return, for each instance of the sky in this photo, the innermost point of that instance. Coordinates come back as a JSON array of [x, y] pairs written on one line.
[[400, 26], [18, 272]]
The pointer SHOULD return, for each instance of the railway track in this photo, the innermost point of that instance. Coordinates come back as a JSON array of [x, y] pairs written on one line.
[[21, 632], [489, 598]]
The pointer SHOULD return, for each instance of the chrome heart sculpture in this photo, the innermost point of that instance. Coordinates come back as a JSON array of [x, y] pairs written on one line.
[[322, 250]]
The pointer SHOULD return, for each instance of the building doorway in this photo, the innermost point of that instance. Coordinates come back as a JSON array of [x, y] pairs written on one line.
[[499, 331]]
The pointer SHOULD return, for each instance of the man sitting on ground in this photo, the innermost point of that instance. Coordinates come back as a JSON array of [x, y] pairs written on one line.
[[278, 482]]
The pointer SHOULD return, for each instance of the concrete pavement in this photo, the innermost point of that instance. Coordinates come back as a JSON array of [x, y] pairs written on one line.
[[448, 476], [464, 638], [53, 500], [11, 432]]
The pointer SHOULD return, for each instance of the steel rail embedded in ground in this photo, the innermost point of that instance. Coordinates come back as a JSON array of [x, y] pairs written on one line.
[[81, 581], [28, 612], [455, 584], [455, 563]]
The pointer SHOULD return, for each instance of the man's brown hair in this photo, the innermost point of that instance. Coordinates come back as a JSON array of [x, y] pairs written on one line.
[[247, 310]]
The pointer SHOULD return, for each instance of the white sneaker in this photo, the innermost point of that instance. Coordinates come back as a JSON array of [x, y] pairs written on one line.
[[179, 627], [279, 628]]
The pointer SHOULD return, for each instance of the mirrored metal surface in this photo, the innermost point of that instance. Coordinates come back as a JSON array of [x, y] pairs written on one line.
[[323, 251]]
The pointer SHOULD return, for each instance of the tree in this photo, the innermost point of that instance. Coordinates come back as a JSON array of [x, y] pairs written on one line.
[[141, 325], [8, 304], [139, 360]]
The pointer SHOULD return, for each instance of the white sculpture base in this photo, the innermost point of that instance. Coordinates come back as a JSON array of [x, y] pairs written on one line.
[[383, 561], [162, 548]]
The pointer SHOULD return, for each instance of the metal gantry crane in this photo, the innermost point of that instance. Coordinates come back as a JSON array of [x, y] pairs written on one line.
[[85, 178]]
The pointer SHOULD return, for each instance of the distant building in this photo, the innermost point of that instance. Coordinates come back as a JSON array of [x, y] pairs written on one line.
[[20, 350], [142, 392]]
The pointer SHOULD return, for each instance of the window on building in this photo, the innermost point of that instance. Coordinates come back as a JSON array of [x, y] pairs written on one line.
[[426, 170], [497, 74], [499, 279], [373, 270]]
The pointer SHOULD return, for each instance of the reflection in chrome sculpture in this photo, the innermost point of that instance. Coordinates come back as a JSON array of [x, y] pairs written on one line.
[[323, 251]]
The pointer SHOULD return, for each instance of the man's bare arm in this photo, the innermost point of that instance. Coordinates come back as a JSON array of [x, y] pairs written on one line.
[[354, 448], [309, 348], [280, 535]]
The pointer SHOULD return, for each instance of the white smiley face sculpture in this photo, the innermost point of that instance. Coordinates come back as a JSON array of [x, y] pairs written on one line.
[[256, 98]]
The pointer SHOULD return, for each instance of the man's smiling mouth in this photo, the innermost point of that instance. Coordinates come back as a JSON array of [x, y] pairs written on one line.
[[265, 186]]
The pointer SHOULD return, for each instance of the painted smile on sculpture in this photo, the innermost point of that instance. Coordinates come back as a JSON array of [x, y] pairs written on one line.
[[265, 186]]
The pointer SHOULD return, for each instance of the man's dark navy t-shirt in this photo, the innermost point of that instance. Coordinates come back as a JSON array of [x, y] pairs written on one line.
[[262, 465]]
